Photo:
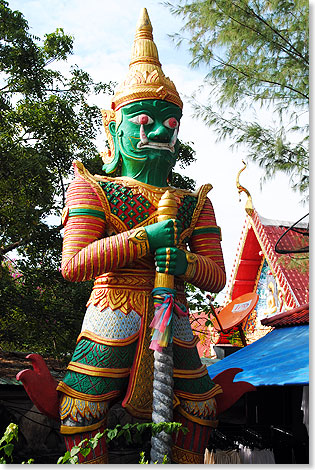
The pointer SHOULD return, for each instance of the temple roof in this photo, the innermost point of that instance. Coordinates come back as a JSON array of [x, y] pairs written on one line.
[[257, 243], [296, 316]]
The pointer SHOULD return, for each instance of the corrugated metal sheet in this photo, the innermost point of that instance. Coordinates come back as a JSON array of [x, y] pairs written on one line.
[[279, 358]]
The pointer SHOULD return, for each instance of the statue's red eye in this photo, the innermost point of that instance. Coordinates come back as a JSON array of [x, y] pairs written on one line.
[[171, 123], [141, 119]]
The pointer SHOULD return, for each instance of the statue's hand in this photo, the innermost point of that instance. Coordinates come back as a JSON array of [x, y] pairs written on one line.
[[163, 234], [171, 260]]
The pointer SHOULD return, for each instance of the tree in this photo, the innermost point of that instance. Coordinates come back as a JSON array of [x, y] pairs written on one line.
[[186, 156], [45, 123], [256, 52]]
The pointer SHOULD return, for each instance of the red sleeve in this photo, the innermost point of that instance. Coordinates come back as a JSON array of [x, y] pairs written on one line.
[[87, 252], [208, 272]]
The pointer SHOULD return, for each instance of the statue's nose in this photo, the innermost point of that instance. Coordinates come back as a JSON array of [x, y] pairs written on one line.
[[160, 134]]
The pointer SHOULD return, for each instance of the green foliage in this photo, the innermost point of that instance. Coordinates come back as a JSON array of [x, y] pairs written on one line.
[[6, 444], [143, 461], [186, 156], [199, 300], [256, 54], [46, 122], [41, 312], [130, 432]]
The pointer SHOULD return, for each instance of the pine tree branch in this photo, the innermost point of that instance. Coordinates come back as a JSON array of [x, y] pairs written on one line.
[[256, 31], [241, 127], [61, 183], [260, 18], [258, 79]]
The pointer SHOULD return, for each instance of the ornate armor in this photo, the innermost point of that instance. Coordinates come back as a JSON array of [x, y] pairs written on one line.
[[103, 221]]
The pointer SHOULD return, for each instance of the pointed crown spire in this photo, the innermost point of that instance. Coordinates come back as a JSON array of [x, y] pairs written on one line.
[[145, 79]]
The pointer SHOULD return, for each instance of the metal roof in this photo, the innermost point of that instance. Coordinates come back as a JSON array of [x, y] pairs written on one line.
[[279, 358], [296, 316], [297, 279]]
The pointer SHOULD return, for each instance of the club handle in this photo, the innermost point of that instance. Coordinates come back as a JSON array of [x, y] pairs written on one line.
[[167, 209]]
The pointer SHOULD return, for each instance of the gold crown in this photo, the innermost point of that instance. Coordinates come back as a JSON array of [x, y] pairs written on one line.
[[145, 79]]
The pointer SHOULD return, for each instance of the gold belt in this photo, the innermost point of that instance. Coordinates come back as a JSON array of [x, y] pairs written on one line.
[[126, 290]]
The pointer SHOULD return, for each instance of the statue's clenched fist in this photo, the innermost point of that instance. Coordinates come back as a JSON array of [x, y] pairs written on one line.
[[170, 260], [163, 234]]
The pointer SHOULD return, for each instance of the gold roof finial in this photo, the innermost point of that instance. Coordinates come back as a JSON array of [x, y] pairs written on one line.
[[249, 203], [145, 79]]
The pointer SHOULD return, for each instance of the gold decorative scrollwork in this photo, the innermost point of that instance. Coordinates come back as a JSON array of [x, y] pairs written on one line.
[[249, 203]]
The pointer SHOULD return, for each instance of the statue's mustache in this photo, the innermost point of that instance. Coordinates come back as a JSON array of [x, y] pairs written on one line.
[[145, 142]]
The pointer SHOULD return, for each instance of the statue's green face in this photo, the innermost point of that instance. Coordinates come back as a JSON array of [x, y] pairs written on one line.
[[146, 140]]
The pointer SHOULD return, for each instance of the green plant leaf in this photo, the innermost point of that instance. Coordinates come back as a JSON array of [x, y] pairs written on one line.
[[85, 451], [74, 451]]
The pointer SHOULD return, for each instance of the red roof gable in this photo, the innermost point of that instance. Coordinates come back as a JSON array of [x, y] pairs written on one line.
[[247, 265], [296, 316], [258, 240]]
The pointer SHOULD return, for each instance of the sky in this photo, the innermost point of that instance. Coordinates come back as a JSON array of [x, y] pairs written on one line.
[[103, 32]]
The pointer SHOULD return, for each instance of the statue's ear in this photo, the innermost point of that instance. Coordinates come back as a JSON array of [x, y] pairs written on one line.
[[111, 156], [112, 128]]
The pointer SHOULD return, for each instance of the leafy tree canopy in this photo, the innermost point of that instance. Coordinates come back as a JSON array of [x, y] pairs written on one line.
[[257, 56], [46, 122]]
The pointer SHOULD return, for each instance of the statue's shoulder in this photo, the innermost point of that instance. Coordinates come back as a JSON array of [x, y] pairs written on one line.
[[83, 173], [85, 189], [83, 178]]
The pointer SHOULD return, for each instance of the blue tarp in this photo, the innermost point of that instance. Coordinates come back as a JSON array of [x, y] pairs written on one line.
[[279, 358]]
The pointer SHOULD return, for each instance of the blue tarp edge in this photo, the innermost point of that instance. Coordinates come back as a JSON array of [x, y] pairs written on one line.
[[279, 358]]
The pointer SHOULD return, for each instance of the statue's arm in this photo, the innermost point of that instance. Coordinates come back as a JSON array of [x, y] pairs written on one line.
[[87, 252], [206, 267]]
